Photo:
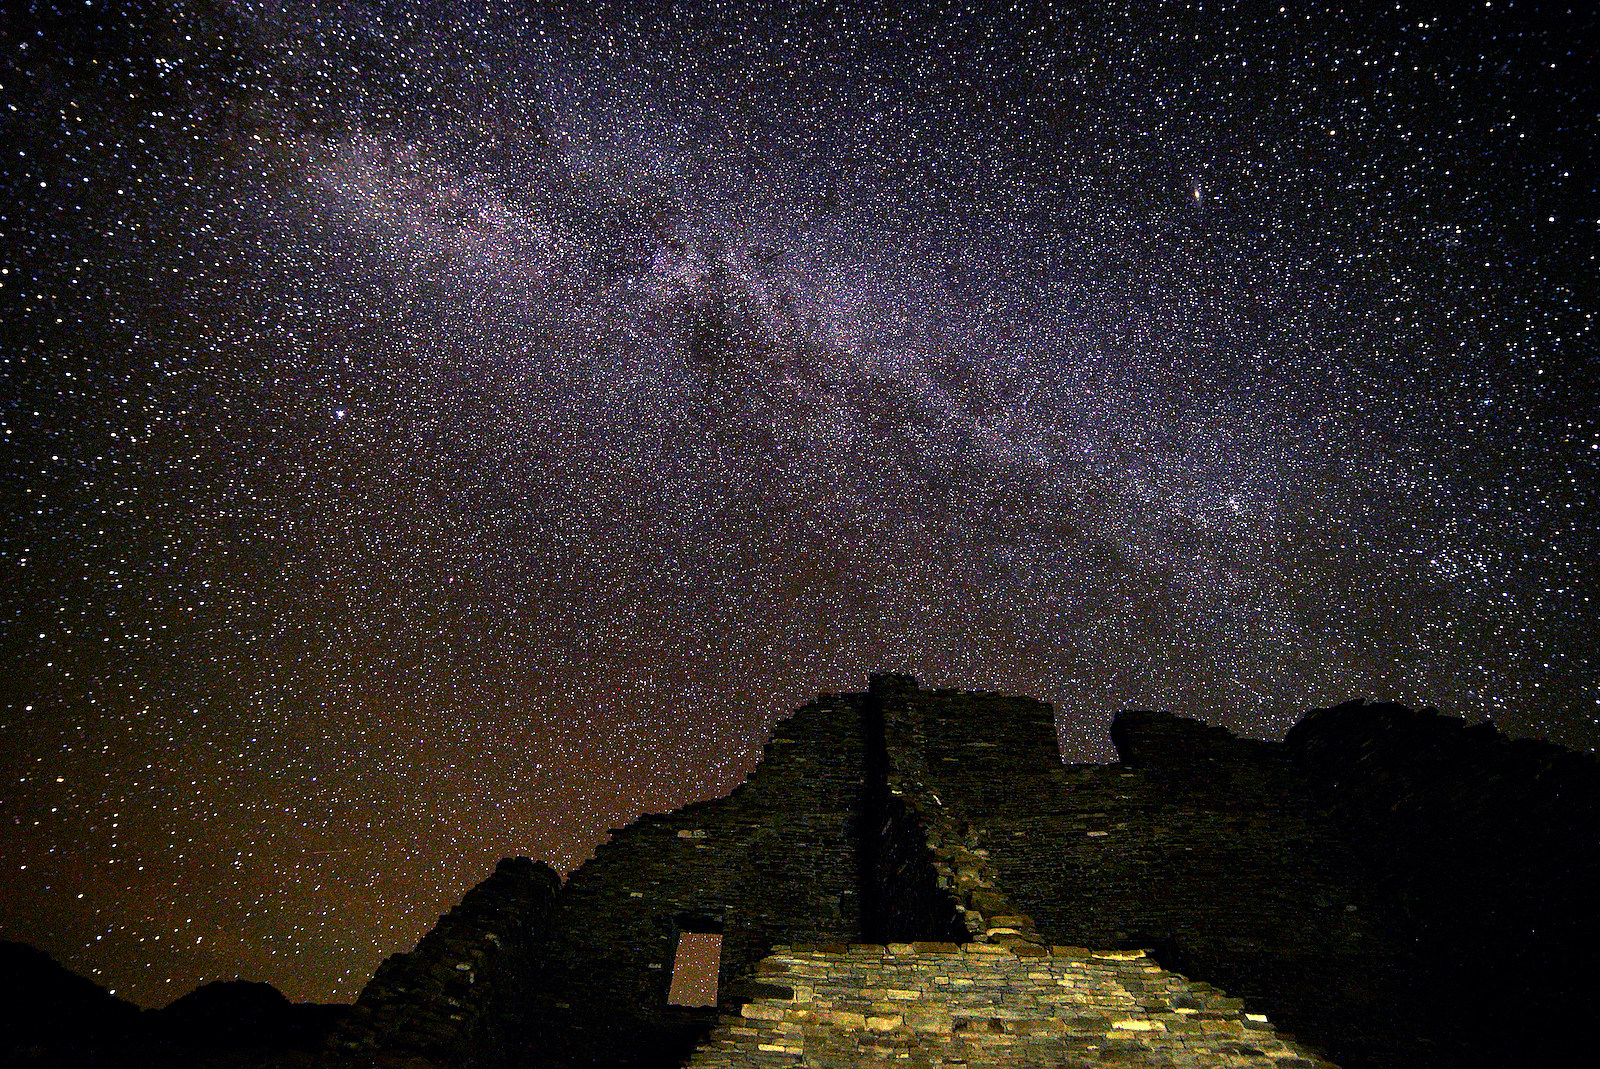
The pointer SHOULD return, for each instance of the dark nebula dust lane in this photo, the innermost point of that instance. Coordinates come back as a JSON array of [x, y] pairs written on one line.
[[437, 431]]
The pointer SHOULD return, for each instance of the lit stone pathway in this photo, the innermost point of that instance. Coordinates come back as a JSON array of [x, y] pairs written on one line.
[[936, 1004]]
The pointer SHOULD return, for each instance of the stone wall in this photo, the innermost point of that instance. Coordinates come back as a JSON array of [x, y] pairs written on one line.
[[925, 1005], [1486, 854], [1206, 848], [456, 998], [1017, 732], [1391, 887], [777, 861], [907, 894]]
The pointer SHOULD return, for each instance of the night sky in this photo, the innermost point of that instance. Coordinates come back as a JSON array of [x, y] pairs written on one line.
[[437, 431]]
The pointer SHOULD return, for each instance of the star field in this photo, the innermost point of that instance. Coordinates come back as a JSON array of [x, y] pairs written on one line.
[[437, 431]]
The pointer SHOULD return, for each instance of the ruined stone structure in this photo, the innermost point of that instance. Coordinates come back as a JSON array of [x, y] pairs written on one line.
[[913, 877]]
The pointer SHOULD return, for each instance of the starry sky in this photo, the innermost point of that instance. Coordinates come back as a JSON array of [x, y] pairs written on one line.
[[437, 431]]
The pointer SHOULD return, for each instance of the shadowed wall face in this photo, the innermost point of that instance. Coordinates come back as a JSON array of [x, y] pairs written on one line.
[[1485, 855], [775, 862], [460, 995], [1205, 847]]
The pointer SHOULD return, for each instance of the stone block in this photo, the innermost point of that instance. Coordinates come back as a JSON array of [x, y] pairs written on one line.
[[760, 1011], [934, 1019]]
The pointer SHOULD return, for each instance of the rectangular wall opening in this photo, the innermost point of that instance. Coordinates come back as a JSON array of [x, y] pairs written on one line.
[[695, 969]]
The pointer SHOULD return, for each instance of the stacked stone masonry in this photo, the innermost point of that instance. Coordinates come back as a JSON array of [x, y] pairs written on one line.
[[923, 1005], [1203, 847], [456, 998], [774, 862], [963, 865], [894, 837]]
